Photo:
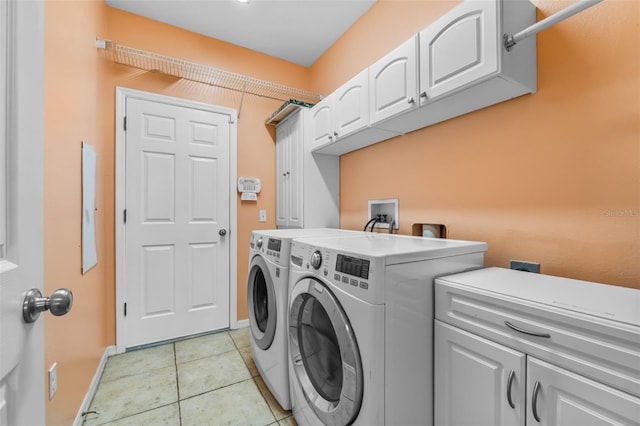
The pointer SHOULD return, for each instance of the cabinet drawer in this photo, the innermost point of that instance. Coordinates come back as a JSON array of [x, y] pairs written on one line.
[[604, 350]]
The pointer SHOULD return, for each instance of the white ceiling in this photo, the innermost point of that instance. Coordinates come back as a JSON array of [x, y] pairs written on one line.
[[298, 31]]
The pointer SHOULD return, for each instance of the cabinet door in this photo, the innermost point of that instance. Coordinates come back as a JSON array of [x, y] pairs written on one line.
[[459, 48], [477, 381], [559, 397], [282, 167], [351, 104], [295, 176], [393, 82], [321, 123]]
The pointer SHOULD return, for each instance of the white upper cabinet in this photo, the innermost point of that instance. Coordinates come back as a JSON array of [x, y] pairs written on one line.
[[393, 82], [456, 65], [321, 123], [342, 113], [459, 48], [340, 122], [351, 103]]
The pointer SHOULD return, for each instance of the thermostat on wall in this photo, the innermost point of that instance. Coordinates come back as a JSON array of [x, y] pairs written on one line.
[[249, 187]]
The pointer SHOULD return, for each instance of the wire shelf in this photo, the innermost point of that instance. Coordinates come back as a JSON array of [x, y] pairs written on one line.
[[150, 61]]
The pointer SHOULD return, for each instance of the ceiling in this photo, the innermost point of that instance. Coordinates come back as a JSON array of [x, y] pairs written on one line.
[[297, 31]]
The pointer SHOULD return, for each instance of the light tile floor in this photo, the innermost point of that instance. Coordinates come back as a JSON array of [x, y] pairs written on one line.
[[206, 380]]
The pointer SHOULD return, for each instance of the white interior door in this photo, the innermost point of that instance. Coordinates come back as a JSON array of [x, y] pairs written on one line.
[[177, 221], [21, 221]]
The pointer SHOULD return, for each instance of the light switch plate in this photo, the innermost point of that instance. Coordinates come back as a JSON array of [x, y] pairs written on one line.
[[53, 379]]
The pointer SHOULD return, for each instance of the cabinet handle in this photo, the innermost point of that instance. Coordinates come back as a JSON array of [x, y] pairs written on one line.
[[335, 134], [423, 94], [330, 136], [534, 401], [512, 375], [522, 330], [410, 100]]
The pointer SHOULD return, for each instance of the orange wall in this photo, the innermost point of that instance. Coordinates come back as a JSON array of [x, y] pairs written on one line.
[[80, 106], [72, 115], [551, 177]]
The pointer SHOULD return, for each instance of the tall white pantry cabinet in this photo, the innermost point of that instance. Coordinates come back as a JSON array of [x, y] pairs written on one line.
[[516, 348], [307, 184]]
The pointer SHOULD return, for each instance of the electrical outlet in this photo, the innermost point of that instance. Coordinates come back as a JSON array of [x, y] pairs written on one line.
[[53, 379], [263, 215], [521, 265]]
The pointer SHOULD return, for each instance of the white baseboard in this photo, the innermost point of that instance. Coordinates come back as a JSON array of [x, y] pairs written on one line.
[[108, 351], [240, 324]]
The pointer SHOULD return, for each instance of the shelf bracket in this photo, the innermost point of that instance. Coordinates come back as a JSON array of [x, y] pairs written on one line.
[[511, 40]]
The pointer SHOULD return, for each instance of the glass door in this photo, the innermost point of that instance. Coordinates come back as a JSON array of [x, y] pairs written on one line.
[[325, 353], [262, 303]]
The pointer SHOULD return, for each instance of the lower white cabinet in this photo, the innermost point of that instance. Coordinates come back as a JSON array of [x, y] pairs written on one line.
[[480, 382], [516, 348], [560, 397], [476, 380]]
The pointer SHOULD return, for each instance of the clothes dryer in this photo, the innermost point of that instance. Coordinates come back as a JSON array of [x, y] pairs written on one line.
[[267, 294], [361, 326]]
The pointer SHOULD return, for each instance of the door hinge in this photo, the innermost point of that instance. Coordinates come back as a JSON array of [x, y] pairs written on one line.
[[125, 123], [125, 309], [124, 214]]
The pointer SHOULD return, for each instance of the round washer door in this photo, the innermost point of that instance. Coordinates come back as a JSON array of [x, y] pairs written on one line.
[[261, 297], [324, 353]]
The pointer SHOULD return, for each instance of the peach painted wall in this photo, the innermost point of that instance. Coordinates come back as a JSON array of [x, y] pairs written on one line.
[[551, 177], [80, 105], [72, 115]]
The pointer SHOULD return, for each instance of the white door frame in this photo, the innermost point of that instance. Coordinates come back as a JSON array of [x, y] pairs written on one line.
[[121, 99]]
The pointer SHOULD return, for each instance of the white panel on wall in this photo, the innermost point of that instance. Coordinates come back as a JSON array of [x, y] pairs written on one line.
[[204, 133], [203, 189], [159, 280], [159, 187], [202, 275], [157, 127]]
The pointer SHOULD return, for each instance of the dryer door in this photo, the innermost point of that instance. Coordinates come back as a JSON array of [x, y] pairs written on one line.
[[261, 297], [324, 353]]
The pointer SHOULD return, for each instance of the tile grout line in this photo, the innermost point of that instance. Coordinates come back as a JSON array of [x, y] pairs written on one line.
[[175, 364]]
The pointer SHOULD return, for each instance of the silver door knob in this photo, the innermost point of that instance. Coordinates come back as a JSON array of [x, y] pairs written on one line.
[[223, 232], [58, 304]]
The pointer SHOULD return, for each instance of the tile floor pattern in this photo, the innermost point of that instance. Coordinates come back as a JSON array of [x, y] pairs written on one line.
[[208, 380]]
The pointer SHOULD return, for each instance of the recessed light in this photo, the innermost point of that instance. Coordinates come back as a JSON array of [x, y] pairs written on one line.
[[243, 1]]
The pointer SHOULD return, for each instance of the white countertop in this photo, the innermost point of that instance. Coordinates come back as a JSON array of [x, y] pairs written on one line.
[[605, 301]]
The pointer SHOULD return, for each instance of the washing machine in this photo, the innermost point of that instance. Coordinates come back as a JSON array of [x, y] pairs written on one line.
[[361, 326], [267, 294]]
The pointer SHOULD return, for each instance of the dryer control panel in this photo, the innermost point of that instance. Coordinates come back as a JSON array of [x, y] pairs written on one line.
[[352, 266]]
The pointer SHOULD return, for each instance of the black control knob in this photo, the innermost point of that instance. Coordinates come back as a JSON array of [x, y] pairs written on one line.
[[316, 259]]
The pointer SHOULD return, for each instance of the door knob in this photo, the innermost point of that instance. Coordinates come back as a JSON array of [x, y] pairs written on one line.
[[222, 232], [59, 303]]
